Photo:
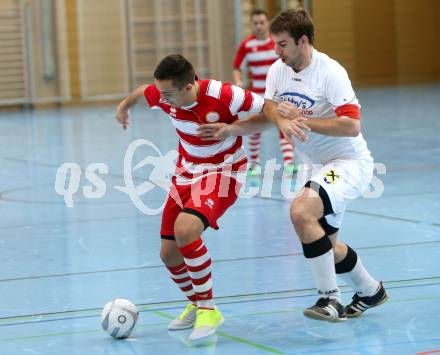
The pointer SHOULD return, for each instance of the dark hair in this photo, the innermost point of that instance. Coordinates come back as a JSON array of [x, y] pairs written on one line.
[[258, 12], [296, 23], [176, 68]]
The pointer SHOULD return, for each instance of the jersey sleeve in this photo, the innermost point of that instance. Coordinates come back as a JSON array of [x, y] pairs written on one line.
[[338, 90], [152, 95], [240, 100], [271, 84], [252, 103], [240, 56]]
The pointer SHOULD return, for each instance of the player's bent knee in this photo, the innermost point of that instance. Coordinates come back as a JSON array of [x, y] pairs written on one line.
[[187, 227], [300, 215], [183, 231]]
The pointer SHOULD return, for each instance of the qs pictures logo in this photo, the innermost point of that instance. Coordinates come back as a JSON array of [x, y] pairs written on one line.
[[68, 177]]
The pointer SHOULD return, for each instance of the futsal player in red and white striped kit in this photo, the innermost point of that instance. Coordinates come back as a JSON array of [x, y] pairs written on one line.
[[205, 183], [257, 52]]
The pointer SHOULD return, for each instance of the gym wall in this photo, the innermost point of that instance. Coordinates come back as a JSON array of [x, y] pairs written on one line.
[[78, 51]]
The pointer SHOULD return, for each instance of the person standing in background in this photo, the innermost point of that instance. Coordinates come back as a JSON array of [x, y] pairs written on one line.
[[257, 52]]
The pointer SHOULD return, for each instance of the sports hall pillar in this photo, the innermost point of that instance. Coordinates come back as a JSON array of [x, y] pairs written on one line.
[[72, 48]]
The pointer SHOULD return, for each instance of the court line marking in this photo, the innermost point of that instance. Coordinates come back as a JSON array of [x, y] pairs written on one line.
[[390, 169], [373, 345], [428, 352], [121, 202], [159, 313], [230, 337], [251, 343], [384, 246], [400, 219], [82, 202], [270, 198], [32, 337], [66, 223], [394, 218], [244, 298], [93, 220], [223, 334], [381, 216]]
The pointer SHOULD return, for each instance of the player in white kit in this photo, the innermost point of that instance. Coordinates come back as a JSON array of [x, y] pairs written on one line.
[[314, 93], [310, 98]]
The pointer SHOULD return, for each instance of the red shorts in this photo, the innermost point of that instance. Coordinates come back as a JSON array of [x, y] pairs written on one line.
[[208, 198]]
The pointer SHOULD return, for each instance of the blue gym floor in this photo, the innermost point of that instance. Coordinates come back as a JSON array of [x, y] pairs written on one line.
[[60, 265]]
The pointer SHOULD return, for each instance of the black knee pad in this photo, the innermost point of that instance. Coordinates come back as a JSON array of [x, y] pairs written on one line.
[[317, 248], [348, 263]]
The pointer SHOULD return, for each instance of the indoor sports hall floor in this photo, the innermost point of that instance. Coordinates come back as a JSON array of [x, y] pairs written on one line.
[[60, 265]]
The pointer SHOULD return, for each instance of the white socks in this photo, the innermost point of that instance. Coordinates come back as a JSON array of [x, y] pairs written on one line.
[[320, 256], [360, 280]]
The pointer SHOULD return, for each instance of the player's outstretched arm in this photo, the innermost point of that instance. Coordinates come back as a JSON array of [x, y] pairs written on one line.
[[252, 124], [122, 114]]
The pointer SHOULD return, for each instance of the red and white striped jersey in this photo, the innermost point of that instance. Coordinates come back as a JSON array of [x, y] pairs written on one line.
[[217, 102], [258, 55]]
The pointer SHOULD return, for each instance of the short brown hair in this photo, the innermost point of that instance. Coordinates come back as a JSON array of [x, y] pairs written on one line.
[[258, 12], [176, 68], [296, 23]]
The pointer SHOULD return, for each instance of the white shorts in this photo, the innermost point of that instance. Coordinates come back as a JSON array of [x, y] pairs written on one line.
[[343, 180]]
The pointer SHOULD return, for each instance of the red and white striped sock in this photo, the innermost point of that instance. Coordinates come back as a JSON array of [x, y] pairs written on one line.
[[254, 148], [198, 263], [286, 150], [179, 274]]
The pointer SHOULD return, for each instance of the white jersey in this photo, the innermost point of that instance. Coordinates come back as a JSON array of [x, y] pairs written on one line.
[[317, 91]]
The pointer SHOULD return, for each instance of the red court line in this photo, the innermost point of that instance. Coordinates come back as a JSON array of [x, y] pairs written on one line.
[[428, 352]]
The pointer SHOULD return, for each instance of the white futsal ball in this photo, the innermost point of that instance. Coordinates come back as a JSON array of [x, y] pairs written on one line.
[[119, 317]]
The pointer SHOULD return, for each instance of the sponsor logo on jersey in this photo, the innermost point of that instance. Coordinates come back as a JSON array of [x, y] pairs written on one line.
[[331, 177], [212, 117], [301, 101]]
